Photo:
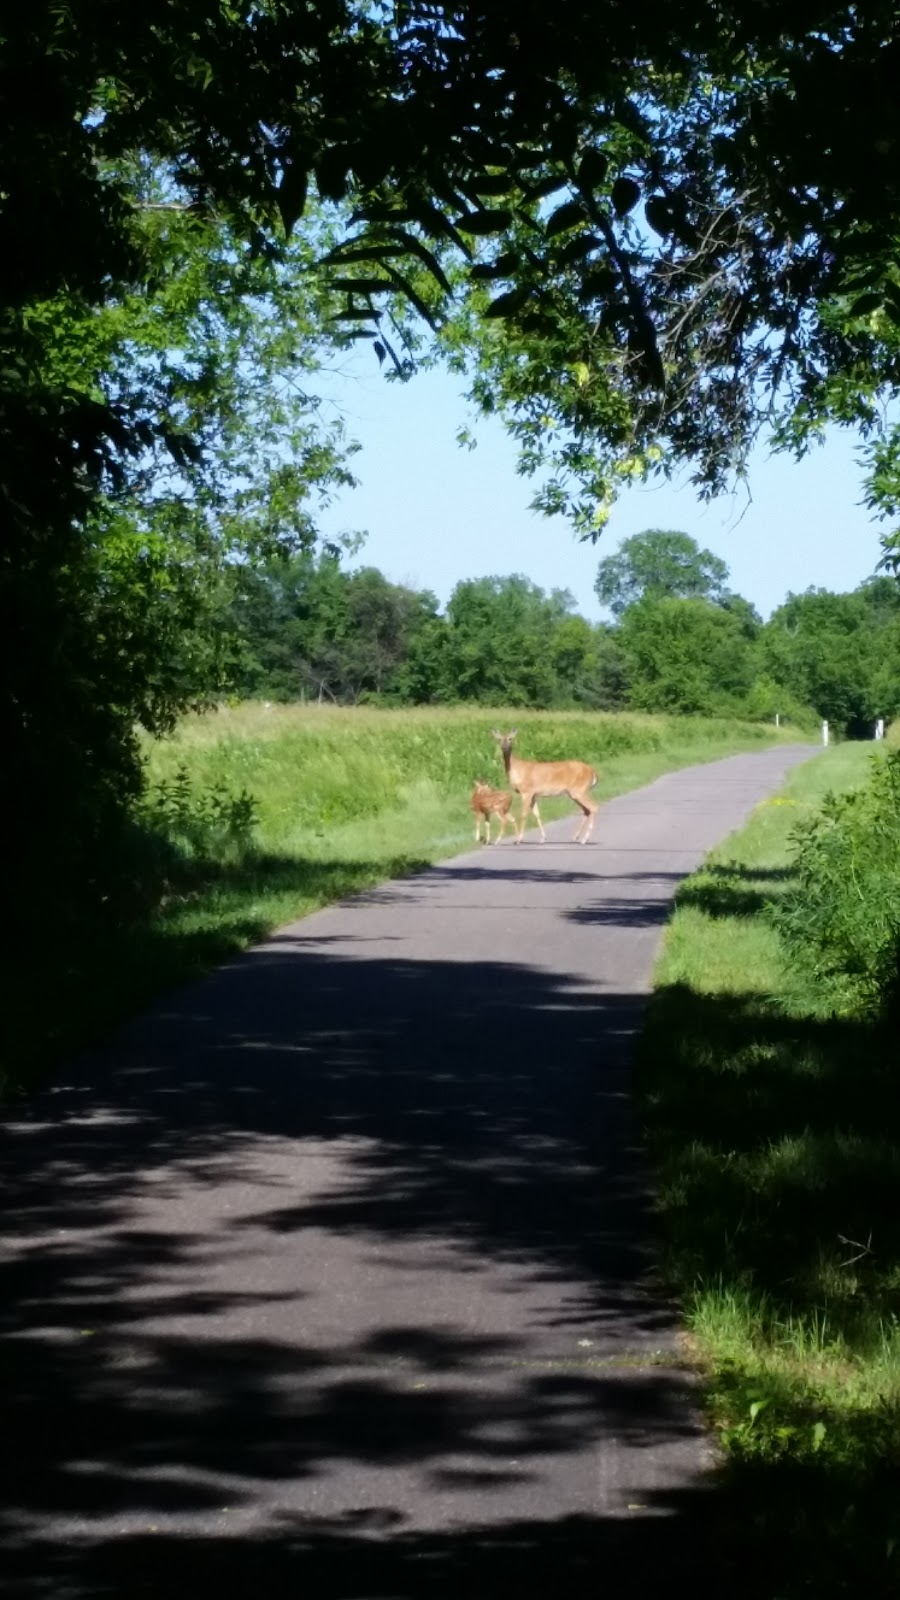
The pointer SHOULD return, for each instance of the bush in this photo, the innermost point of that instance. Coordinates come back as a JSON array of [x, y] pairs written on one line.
[[207, 823], [173, 838], [765, 698], [843, 917]]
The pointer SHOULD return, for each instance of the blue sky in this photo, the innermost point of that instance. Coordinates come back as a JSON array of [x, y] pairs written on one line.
[[435, 513]]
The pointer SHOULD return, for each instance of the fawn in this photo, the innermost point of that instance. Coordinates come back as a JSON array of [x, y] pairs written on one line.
[[488, 802]]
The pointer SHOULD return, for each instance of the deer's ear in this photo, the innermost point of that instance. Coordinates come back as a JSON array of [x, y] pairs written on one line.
[[495, 734], [513, 734]]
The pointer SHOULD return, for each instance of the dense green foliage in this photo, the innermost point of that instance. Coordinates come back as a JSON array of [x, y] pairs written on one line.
[[309, 628], [662, 565], [839, 652], [677, 241], [115, 613], [843, 915], [637, 241]]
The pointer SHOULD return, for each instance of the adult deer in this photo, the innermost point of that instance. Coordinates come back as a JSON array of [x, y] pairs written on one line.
[[536, 780]]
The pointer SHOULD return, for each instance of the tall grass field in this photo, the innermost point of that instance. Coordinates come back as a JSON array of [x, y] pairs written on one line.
[[259, 814], [771, 1102]]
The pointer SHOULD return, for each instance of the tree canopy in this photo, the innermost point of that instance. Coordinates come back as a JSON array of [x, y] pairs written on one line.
[[664, 564], [639, 235], [310, 627], [839, 652], [658, 233]]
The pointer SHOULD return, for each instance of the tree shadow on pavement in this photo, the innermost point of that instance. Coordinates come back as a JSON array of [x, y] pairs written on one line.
[[242, 1245]]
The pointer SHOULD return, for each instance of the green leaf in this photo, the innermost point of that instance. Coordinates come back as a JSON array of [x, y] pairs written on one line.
[[506, 305], [541, 187], [625, 195], [398, 365], [490, 183], [351, 252], [819, 1432], [290, 196], [423, 254], [598, 284], [540, 322], [331, 172], [659, 215], [592, 169], [484, 222], [866, 303], [412, 295], [360, 285], [576, 249], [755, 1408], [360, 249], [503, 267], [569, 215], [432, 220]]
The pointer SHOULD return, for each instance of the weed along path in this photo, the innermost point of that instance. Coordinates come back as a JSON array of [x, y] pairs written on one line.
[[330, 1276]]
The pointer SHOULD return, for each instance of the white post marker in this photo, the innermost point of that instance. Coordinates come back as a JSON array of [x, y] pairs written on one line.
[[879, 728], [778, 719], [824, 732]]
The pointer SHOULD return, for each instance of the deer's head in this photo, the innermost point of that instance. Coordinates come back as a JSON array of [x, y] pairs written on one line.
[[505, 740]]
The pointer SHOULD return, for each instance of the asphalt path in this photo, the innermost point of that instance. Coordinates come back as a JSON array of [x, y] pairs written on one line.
[[333, 1275]]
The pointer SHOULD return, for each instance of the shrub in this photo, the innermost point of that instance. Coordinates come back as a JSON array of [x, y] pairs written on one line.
[[209, 823], [843, 916]]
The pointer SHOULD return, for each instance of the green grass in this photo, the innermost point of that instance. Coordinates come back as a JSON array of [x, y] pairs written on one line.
[[774, 1126], [315, 769], [346, 799]]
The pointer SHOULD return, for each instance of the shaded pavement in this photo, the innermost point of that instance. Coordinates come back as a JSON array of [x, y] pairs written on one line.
[[333, 1274]]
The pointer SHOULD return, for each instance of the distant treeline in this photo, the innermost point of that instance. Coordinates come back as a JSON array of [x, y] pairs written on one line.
[[681, 641]]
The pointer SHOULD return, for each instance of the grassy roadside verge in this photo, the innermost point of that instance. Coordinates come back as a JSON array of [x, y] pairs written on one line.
[[346, 799], [774, 1129]]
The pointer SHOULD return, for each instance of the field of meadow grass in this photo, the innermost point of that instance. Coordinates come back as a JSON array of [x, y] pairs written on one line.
[[772, 1116], [314, 768], [257, 815]]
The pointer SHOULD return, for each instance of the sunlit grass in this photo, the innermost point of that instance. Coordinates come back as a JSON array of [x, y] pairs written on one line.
[[346, 798]]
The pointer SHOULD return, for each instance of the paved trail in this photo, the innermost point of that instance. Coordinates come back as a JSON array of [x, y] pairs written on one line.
[[329, 1277]]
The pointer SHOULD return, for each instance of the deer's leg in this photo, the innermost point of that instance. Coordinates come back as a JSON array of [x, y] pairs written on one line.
[[527, 803], [534, 807], [590, 808], [585, 814]]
